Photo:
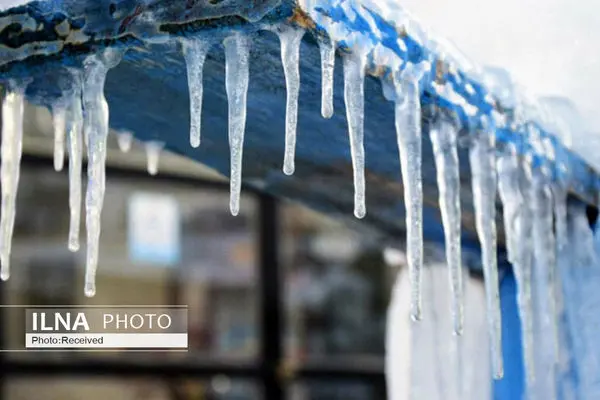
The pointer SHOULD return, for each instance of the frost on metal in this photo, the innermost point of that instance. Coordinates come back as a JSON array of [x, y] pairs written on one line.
[[423, 77]]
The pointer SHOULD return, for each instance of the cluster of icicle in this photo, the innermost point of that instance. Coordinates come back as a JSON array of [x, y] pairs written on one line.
[[531, 201], [406, 92], [526, 197], [80, 121]]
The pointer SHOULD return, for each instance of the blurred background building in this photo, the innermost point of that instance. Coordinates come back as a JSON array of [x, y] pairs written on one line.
[[171, 240]]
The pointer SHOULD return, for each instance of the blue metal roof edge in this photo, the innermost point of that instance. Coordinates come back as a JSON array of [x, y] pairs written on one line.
[[567, 167]]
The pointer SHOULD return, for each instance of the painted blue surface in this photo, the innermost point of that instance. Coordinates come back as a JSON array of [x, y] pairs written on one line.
[[511, 387]]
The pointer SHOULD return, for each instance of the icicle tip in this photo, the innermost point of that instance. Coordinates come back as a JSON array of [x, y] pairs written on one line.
[[90, 289], [416, 316], [73, 245], [360, 212], [4, 275], [289, 169]]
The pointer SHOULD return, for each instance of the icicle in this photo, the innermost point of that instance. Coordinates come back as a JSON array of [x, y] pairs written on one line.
[[559, 194], [517, 224], [443, 137], [482, 158], [195, 51], [545, 254], [12, 144], [59, 124], [512, 200], [153, 156], [290, 38], [75, 160], [237, 53], [95, 126], [354, 96], [408, 134], [327, 48], [124, 140]]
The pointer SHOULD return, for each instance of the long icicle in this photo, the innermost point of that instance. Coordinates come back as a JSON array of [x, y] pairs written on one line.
[[95, 126], [237, 71], [482, 157], [291, 38], [443, 138], [327, 49], [194, 52], [59, 124], [545, 254], [508, 177], [75, 149], [11, 149], [408, 134], [518, 225], [354, 96]]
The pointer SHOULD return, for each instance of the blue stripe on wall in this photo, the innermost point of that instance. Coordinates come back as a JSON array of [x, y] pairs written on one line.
[[512, 386]]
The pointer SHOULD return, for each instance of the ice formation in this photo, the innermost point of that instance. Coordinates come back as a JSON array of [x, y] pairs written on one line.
[[408, 135], [443, 137], [237, 71], [153, 149], [290, 38], [327, 49], [59, 124], [95, 128], [195, 51], [482, 157], [12, 144], [559, 195], [124, 141], [545, 256], [512, 187], [354, 96], [75, 116]]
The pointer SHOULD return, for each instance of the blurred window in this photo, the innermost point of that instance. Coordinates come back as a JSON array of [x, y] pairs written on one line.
[[209, 263]]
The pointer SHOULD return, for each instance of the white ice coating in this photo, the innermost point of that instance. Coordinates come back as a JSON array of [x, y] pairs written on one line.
[[75, 148], [327, 49], [482, 157], [153, 150], [354, 97], [237, 71], [512, 180], [12, 145], [291, 38], [59, 125], [443, 138], [95, 126], [408, 135], [124, 140], [545, 255], [195, 51]]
